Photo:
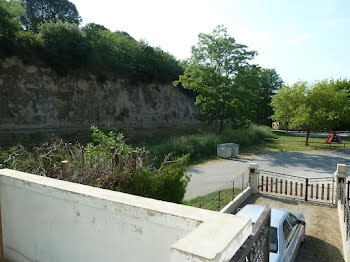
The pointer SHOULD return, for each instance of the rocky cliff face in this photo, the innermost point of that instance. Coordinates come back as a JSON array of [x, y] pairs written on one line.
[[36, 97]]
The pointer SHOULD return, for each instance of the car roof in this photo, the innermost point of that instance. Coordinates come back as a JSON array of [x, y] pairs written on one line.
[[254, 211]]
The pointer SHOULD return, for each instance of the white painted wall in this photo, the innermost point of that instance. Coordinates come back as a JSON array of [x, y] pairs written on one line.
[[231, 207], [46, 219], [346, 243]]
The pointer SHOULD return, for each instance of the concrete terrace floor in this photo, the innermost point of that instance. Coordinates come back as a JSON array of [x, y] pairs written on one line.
[[219, 174]]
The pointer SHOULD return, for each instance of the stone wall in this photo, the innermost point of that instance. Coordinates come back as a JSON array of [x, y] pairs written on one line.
[[36, 97]]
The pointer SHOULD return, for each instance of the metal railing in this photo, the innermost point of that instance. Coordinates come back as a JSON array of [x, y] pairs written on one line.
[[309, 189], [224, 193], [257, 245]]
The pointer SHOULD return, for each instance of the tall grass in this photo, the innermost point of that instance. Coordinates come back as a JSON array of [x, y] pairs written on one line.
[[202, 146]]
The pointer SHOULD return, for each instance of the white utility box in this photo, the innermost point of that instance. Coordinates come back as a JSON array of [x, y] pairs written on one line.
[[227, 150]]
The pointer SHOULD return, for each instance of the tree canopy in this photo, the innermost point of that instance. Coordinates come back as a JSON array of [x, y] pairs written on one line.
[[10, 11], [48, 30], [227, 86], [38, 11], [262, 83], [312, 107]]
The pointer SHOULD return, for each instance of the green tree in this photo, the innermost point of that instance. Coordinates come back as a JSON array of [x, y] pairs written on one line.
[[38, 11], [64, 45], [311, 107], [210, 72], [262, 83], [10, 11]]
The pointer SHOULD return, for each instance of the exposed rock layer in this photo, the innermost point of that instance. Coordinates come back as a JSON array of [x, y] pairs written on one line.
[[36, 97]]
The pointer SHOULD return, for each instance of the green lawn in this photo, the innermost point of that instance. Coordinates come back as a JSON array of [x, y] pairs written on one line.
[[286, 142], [211, 200]]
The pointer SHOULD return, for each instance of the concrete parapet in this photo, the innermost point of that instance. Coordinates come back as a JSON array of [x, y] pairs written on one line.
[[46, 219], [231, 207], [339, 180]]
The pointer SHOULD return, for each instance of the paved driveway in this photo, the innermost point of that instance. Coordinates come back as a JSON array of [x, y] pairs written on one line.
[[323, 241], [219, 174]]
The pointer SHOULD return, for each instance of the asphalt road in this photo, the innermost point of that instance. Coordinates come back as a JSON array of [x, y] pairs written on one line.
[[219, 174]]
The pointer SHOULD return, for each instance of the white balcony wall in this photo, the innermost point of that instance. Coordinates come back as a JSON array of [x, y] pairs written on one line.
[[46, 219]]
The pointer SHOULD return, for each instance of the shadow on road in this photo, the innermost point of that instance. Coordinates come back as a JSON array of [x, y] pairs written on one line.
[[323, 161]]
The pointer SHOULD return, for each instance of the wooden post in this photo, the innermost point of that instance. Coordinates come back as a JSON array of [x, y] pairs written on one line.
[[281, 182], [262, 183], [296, 188], [65, 168], [312, 191], [145, 158], [267, 184], [134, 157], [328, 190], [276, 185], [70, 147], [132, 160], [322, 192], [285, 187], [271, 189], [317, 191], [112, 149], [301, 189], [291, 188], [36, 155], [118, 161]]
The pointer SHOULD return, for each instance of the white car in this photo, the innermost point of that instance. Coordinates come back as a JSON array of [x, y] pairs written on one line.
[[287, 231]]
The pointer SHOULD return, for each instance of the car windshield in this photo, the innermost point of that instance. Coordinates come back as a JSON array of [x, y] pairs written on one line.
[[273, 240]]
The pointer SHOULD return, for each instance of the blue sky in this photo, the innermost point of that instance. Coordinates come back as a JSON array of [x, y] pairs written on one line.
[[305, 40]]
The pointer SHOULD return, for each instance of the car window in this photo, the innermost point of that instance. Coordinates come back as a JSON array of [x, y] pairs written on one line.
[[273, 240], [292, 220], [286, 229], [286, 232]]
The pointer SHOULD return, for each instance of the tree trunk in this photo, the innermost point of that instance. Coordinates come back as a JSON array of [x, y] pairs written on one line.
[[221, 125], [307, 137], [216, 119]]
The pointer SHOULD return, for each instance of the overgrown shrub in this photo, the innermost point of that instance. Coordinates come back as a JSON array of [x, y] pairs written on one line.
[[96, 165], [203, 146]]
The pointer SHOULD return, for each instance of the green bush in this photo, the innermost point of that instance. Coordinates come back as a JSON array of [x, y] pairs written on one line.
[[167, 183], [95, 165], [203, 146]]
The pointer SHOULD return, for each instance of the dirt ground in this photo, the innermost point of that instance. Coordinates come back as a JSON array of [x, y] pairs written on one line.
[[323, 239]]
